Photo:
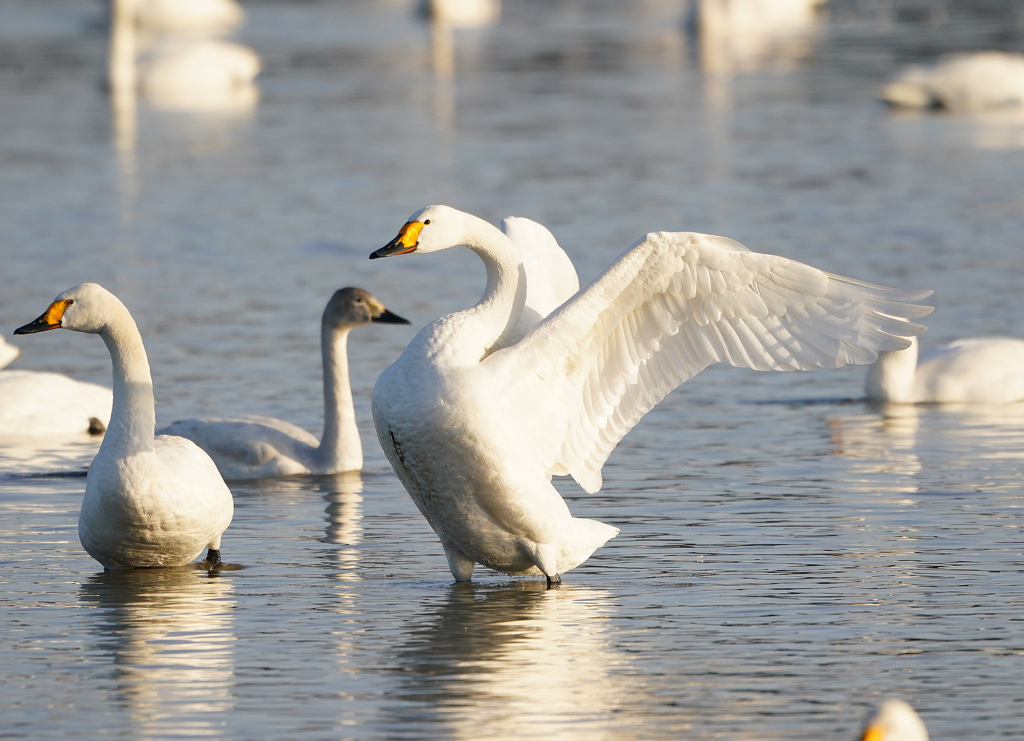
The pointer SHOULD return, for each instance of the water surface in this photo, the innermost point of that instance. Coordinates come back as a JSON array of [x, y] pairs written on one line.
[[788, 557]]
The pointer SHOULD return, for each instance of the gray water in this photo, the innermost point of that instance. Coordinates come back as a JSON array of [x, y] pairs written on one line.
[[789, 556]]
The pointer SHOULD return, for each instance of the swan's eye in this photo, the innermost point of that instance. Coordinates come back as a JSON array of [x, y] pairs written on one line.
[[70, 301], [426, 222]]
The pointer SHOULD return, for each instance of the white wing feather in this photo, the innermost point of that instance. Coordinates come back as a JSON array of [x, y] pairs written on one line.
[[551, 278], [673, 304]]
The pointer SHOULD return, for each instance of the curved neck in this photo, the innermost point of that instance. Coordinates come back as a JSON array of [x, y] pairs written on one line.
[[340, 448], [133, 417], [498, 311], [891, 378]]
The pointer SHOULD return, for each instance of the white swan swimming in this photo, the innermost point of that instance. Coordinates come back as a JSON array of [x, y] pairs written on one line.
[[198, 75], [977, 370], [475, 424], [894, 720], [188, 16], [148, 501], [254, 447], [38, 403], [461, 13], [961, 82]]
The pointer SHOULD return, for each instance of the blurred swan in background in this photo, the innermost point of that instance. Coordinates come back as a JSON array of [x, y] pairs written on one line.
[[744, 34], [198, 75], [984, 369], [188, 16], [263, 447], [148, 501], [177, 72], [894, 720], [476, 422], [8, 352], [462, 13], [961, 82]]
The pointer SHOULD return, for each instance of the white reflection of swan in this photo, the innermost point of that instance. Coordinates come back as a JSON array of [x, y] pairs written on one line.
[[519, 657], [170, 633], [446, 17], [344, 521], [744, 35], [880, 449]]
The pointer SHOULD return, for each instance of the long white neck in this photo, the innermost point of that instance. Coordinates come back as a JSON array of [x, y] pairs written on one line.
[[891, 378], [340, 448], [496, 314], [133, 417]]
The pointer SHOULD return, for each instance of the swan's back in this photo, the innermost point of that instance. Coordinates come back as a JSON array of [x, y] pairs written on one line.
[[44, 403], [250, 447], [989, 369]]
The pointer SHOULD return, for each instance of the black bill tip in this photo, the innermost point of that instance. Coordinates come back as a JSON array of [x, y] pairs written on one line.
[[389, 317], [39, 325]]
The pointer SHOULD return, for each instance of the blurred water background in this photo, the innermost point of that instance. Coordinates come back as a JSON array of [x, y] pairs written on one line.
[[789, 555]]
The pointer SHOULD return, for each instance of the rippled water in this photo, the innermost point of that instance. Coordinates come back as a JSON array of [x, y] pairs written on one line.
[[788, 555]]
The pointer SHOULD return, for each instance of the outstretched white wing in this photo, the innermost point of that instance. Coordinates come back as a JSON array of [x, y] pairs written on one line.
[[668, 307]]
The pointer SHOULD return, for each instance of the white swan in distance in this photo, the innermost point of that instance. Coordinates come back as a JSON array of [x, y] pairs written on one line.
[[40, 403], [148, 501], [188, 16], [198, 74], [461, 13], [475, 423], [961, 82], [977, 370], [178, 72], [894, 720], [263, 447]]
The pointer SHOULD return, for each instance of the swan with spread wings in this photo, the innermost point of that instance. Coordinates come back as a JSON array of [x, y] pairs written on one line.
[[486, 405]]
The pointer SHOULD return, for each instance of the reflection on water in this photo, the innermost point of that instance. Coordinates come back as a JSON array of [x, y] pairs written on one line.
[[169, 634], [517, 656], [778, 563], [208, 79], [33, 456], [888, 445], [880, 446], [344, 516]]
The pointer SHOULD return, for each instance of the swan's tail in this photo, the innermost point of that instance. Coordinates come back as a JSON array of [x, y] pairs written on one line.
[[587, 536]]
